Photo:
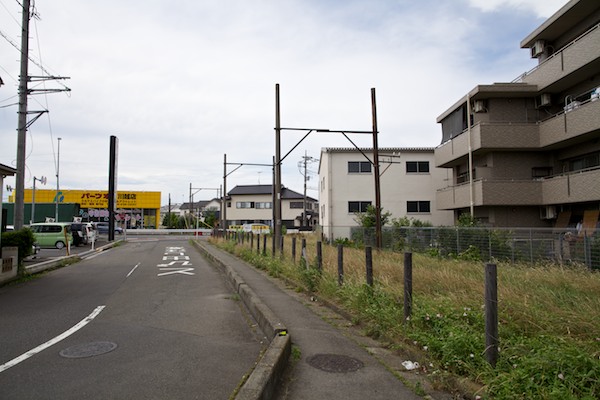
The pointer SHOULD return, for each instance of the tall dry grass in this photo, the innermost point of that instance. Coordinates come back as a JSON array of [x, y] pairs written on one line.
[[534, 299]]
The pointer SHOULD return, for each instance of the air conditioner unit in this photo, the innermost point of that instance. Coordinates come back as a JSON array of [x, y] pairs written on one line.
[[538, 48], [548, 212], [479, 106], [543, 100]]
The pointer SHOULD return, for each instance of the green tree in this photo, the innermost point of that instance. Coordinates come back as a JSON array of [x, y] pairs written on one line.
[[172, 222], [368, 218], [210, 217]]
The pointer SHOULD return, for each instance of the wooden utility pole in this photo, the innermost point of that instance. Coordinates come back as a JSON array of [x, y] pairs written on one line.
[[376, 173]]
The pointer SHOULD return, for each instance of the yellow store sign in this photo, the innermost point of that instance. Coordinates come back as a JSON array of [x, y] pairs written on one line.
[[94, 198]]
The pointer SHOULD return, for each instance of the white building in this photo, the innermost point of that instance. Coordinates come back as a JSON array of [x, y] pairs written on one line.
[[408, 182]]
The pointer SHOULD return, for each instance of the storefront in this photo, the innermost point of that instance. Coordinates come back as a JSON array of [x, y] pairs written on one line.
[[134, 209]]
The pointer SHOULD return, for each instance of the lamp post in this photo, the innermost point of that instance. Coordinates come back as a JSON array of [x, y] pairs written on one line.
[[42, 180], [57, 181]]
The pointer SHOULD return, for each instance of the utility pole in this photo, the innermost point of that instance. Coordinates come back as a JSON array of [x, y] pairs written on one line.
[[224, 206], [57, 182], [22, 124], [304, 165], [305, 179], [22, 121], [378, 238], [277, 205]]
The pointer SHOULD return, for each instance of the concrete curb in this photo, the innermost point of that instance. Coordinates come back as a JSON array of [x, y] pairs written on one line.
[[262, 382], [56, 262]]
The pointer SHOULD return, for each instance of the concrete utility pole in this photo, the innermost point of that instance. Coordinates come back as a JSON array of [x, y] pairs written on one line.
[[22, 121]]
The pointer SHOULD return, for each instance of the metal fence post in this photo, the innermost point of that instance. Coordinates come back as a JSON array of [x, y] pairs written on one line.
[[491, 314], [294, 250], [264, 245]]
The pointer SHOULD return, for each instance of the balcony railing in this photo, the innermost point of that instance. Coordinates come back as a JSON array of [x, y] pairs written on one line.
[[522, 78], [572, 187]]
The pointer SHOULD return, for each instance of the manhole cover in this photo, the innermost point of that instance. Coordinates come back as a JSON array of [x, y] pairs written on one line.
[[88, 349], [335, 363]]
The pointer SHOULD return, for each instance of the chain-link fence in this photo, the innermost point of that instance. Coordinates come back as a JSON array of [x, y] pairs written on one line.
[[490, 244]]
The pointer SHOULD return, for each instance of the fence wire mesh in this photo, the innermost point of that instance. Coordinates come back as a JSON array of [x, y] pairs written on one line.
[[490, 244]]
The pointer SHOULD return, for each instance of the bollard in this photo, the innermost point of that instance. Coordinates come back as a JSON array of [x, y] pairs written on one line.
[[491, 314], [294, 250], [319, 256], [340, 264], [407, 286], [369, 262]]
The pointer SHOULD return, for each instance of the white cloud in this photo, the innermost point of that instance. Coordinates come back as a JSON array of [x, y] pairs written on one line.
[[541, 8], [182, 83]]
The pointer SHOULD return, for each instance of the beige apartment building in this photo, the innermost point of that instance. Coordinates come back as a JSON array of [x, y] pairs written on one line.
[[408, 181], [531, 154]]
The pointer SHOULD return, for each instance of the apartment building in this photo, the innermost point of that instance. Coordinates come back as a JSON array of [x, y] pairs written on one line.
[[408, 182], [248, 204], [530, 155]]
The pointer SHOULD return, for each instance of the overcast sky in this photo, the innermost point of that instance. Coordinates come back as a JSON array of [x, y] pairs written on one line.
[[181, 83]]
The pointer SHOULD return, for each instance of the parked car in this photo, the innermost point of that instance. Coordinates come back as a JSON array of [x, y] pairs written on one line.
[[83, 233], [52, 234], [102, 227]]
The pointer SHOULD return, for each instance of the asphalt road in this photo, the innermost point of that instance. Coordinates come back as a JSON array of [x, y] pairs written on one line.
[[155, 322]]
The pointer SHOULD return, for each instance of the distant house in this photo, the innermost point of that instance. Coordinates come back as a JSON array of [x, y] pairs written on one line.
[[175, 209], [254, 204]]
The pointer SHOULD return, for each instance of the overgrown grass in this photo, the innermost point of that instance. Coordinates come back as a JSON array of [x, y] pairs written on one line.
[[549, 316]]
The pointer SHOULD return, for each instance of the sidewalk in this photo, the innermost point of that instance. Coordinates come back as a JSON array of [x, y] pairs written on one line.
[[335, 362]]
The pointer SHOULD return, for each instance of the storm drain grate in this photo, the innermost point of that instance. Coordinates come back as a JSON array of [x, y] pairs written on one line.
[[335, 363], [88, 349]]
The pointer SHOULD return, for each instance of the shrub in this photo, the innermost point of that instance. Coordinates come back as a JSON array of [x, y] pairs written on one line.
[[23, 239]]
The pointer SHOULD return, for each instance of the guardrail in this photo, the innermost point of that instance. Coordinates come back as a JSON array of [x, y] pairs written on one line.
[[188, 232]]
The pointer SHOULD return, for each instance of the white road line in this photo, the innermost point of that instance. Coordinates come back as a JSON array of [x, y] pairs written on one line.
[[51, 342], [134, 268], [98, 253]]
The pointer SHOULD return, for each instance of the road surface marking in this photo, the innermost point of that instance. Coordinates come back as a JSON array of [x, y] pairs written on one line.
[[184, 271], [134, 268], [51, 342], [98, 253]]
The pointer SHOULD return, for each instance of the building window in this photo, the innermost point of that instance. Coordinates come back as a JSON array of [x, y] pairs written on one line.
[[418, 207], [358, 206], [228, 204], [463, 177], [296, 204], [263, 205], [413, 167], [359, 167], [584, 162], [541, 172], [244, 204]]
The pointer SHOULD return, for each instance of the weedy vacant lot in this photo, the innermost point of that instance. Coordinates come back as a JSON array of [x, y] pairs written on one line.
[[549, 315]]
